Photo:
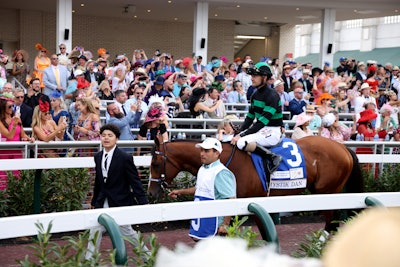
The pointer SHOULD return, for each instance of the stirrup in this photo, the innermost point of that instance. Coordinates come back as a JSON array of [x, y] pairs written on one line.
[[275, 167]]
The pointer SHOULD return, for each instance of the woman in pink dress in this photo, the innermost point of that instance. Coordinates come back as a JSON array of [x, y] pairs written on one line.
[[11, 130]]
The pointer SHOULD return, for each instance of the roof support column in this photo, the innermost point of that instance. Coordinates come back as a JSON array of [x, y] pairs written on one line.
[[64, 24], [327, 36], [200, 31]]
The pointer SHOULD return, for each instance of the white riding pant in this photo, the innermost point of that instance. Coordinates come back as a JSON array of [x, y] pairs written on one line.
[[266, 137]]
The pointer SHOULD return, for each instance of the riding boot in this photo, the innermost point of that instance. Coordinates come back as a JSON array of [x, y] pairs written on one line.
[[275, 159]]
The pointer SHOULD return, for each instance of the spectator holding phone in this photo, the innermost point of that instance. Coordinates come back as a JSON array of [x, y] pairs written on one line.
[[59, 112]]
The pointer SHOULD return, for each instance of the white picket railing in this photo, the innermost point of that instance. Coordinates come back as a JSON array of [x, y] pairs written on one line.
[[11, 227]]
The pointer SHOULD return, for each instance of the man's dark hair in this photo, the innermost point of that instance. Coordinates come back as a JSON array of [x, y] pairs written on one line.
[[34, 79], [118, 92], [111, 127]]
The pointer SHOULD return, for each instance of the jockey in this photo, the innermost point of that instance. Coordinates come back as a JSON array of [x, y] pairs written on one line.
[[266, 108]]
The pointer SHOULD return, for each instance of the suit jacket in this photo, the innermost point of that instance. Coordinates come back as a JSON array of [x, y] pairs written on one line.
[[123, 186], [98, 76], [195, 66], [308, 87], [287, 86], [26, 115], [49, 79]]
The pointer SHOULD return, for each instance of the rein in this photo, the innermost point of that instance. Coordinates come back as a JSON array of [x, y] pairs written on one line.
[[163, 184]]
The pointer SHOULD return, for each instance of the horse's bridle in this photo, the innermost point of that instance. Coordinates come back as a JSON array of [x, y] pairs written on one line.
[[161, 180]]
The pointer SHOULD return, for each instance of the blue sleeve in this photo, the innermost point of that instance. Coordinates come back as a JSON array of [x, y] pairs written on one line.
[[225, 185]]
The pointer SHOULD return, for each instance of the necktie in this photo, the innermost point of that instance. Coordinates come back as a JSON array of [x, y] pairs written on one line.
[[305, 86], [57, 74], [123, 109], [105, 165]]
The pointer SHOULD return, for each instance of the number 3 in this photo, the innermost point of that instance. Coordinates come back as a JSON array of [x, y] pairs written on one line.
[[294, 152]]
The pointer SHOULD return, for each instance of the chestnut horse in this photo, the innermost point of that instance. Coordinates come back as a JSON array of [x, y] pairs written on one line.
[[330, 166]]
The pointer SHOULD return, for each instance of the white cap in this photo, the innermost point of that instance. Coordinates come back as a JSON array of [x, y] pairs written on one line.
[[209, 143], [78, 72], [277, 82]]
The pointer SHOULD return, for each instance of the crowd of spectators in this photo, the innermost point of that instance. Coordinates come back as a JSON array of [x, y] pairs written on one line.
[[77, 83]]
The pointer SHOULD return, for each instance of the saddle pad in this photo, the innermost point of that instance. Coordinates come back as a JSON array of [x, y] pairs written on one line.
[[291, 173]]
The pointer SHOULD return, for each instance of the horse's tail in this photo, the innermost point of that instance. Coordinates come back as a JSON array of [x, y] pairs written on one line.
[[355, 183]]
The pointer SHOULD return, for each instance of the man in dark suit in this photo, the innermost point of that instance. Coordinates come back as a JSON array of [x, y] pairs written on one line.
[[117, 183], [92, 76], [25, 111], [286, 78], [34, 94], [305, 80]]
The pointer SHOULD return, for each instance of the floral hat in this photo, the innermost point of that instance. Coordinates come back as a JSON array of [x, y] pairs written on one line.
[[154, 113], [367, 115], [328, 120], [301, 119]]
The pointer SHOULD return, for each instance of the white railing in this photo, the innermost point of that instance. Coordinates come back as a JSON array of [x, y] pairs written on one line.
[[11, 227]]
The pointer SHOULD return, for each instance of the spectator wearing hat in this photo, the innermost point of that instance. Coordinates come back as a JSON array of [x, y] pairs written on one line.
[[154, 123], [334, 130], [166, 63], [365, 124], [316, 121], [42, 61], [118, 78], [342, 68], [325, 104], [244, 78], [300, 129], [212, 174], [198, 67], [286, 78], [104, 92], [279, 87], [20, 68], [82, 60], [155, 89], [180, 80], [386, 122], [361, 74], [364, 98], [306, 81], [93, 76], [55, 77]]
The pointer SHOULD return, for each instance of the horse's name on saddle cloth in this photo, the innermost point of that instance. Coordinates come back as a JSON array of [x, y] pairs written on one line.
[[290, 179]]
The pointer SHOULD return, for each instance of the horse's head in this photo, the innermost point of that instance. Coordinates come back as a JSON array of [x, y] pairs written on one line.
[[163, 170]]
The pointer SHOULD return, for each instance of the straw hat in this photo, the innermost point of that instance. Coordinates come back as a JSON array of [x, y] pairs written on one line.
[[364, 86], [310, 108]]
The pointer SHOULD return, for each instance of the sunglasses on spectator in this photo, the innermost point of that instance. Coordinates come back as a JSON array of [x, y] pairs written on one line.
[[139, 93], [10, 106], [46, 113], [299, 92], [21, 96]]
